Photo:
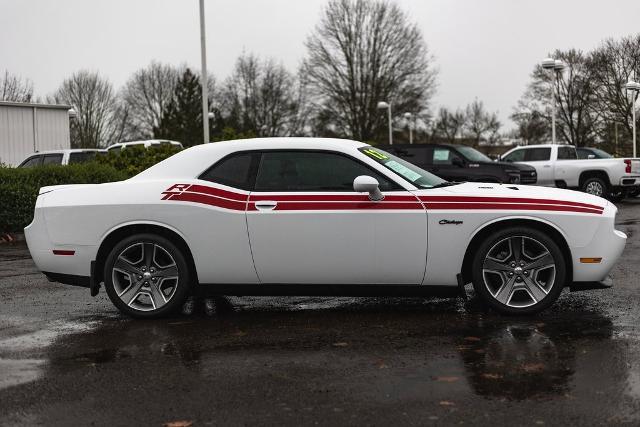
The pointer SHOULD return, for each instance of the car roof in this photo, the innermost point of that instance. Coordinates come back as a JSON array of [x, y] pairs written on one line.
[[194, 160], [544, 146], [64, 150]]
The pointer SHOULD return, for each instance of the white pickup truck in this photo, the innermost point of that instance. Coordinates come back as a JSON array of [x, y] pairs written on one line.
[[558, 166]]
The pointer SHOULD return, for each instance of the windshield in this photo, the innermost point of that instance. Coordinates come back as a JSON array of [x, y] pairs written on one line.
[[472, 154], [418, 177]]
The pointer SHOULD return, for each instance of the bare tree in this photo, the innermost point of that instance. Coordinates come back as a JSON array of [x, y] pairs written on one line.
[[613, 64], [574, 92], [15, 89], [146, 96], [533, 128], [448, 125], [263, 98], [481, 124], [363, 52], [94, 100]]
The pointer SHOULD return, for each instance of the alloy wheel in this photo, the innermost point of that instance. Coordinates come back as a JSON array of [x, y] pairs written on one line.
[[519, 271], [145, 276], [595, 188]]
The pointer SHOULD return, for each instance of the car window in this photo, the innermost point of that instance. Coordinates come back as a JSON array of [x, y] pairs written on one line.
[[567, 153], [114, 149], [313, 171], [52, 159], [31, 162], [81, 156], [443, 156], [537, 154], [237, 170], [515, 156]]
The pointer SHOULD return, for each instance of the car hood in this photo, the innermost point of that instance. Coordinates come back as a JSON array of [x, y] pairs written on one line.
[[510, 191]]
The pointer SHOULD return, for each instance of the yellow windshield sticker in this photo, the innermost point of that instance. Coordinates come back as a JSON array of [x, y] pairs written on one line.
[[375, 154]]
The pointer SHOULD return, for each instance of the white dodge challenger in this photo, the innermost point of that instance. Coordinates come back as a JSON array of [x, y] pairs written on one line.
[[309, 216]]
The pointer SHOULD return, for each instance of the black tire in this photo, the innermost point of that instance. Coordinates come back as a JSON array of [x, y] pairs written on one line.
[[168, 251], [595, 186], [484, 280]]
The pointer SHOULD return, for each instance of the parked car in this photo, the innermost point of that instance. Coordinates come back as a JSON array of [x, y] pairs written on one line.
[[148, 143], [60, 157], [312, 216], [558, 166], [592, 153], [462, 163]]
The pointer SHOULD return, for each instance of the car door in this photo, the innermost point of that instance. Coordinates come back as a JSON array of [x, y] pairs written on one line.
[[52, 159], [540, 158], [307, 225]]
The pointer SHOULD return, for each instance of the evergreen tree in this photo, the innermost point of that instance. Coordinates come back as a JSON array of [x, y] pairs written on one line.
[[182, 120]]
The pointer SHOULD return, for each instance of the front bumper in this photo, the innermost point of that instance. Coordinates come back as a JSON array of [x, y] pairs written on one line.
[[587, 286]]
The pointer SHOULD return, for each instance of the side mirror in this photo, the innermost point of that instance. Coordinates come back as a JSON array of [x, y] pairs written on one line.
[[457, 161], [591, 156], [368, 184]]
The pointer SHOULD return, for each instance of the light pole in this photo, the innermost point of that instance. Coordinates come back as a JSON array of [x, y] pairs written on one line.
[[407, 116], [205, 86], [557, 67], [387, 106], [633, 88]]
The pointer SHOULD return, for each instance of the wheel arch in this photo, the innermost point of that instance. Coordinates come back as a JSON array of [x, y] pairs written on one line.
[[486, 229], [116, 234], [594, 173]]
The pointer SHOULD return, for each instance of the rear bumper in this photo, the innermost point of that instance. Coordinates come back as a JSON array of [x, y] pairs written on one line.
[[629, 181], [68, 279]]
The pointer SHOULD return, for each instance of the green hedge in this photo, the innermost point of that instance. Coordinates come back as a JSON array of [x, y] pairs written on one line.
[[19, 188], [133, 160]]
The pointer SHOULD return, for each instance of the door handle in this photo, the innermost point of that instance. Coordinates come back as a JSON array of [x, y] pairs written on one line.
[[266, 205], [546, 166]]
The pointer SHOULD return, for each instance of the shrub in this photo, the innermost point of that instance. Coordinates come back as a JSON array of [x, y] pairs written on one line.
[[133, 160], [19, 187]]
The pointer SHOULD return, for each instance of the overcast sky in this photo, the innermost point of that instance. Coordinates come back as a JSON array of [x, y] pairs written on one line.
[[483, 48]]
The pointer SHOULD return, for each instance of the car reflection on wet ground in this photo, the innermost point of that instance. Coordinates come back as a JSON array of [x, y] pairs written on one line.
[[68, 359]]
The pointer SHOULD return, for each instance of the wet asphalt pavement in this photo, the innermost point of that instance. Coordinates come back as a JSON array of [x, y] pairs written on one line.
[[69, 359]]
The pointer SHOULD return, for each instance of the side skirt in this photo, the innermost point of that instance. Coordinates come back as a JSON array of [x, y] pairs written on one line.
[[328, 290]]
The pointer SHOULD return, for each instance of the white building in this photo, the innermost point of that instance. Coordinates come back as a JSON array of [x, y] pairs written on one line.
[[27, 128]]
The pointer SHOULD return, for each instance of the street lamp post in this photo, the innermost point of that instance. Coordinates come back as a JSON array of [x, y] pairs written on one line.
[[387, 106], [408, 117], [633, 87], [205, 86], [557, 67]]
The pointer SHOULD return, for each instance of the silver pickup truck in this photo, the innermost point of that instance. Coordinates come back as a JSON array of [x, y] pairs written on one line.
[[559, 166]]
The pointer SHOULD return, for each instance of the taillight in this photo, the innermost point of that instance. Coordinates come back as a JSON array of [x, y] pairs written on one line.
[[627, 162]]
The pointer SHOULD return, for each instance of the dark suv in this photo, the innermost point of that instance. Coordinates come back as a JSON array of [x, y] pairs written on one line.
[[462, 163]]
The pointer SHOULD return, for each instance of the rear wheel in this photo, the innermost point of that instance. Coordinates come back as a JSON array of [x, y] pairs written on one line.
[[595, 186], [146, 276], [519, 270]]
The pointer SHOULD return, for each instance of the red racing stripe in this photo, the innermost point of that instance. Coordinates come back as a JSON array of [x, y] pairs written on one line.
[[470, 199], [209, 200], [510, 206], [327, 198], [342, 206], [212, 191]]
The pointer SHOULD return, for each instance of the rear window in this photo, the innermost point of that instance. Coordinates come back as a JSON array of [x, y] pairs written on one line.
[[537, 154], [567, 153], [80, 157], [237, 170], [52, 159]]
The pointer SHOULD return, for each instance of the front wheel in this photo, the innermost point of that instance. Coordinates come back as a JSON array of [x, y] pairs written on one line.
[[146, 276], [519, 270]]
